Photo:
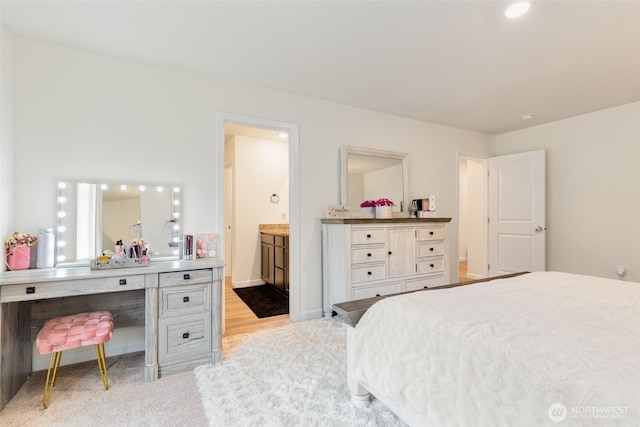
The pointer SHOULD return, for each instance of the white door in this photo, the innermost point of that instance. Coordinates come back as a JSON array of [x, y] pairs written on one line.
[[517, 225]]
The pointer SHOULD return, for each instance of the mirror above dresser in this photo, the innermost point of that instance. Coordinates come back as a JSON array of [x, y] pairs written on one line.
[[92, 217], [371, 174]]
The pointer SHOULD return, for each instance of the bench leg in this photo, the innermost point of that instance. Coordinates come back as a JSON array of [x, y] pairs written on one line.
[[102, 364], [54, 362]]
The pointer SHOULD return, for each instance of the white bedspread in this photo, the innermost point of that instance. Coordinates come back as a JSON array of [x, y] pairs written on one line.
[[505, 352]]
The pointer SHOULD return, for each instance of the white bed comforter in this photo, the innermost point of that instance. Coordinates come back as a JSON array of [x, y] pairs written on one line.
[[502, 353]]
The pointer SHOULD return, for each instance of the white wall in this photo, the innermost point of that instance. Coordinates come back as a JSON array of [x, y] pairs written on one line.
[[86, 116], [261, 168], [6, 135], [593, 189]]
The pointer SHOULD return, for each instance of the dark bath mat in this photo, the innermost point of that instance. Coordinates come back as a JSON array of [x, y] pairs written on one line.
[[264, 300]]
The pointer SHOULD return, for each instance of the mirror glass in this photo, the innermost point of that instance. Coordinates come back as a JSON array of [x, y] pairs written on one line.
[[92, 217], [369, 174]]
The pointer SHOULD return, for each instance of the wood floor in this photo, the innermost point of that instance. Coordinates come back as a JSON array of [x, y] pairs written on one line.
[[462, 271], [239, 319]]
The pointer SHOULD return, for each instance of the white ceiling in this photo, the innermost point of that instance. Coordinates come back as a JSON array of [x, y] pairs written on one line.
[[456, 63]]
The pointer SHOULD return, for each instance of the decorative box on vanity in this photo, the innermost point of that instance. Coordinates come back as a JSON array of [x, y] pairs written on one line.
[[363, 258]]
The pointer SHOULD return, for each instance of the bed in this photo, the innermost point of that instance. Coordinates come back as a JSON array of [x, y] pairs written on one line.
[[533, 349]]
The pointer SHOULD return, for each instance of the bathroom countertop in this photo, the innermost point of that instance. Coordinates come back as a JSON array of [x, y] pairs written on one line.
[[275, 229]]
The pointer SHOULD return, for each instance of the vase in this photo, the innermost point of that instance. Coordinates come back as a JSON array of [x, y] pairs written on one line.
[[19, 257], [384, 212]]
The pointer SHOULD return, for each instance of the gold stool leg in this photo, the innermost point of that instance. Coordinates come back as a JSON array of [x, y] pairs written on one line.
[[102, 364], [54, 362]]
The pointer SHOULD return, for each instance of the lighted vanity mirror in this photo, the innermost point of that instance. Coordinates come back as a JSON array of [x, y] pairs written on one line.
[[369, 174], [92, 217]]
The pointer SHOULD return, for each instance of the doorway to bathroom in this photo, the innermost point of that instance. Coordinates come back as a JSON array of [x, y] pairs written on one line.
[[257, 193]]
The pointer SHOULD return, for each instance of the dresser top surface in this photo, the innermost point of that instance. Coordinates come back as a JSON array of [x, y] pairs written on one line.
[[382, 220], [78, 273]]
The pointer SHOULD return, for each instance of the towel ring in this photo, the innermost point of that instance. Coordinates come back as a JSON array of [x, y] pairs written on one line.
[[274, 198]]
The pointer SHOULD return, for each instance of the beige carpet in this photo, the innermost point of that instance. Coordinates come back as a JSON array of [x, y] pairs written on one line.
[[79, 399]]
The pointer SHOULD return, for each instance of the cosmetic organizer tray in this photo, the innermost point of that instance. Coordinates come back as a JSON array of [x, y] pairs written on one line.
[[114, 263]]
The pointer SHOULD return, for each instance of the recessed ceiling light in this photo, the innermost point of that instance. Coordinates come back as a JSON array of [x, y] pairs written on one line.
[[527, 116], [517, 9]]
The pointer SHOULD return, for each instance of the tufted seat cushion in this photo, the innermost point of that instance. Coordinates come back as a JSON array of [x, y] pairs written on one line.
[[76, 330]]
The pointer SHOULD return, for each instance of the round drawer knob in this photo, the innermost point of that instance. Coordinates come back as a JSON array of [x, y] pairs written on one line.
[[368, 236], [431, 265], [369, 255], [369, 273]]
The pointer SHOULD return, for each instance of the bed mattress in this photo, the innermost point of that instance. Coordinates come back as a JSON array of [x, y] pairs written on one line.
[[531, 350]]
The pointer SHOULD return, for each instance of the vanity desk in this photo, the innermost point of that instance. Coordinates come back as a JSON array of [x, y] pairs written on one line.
[[179, 303]]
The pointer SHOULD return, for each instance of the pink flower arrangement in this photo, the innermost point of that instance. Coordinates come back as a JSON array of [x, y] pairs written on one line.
[[374, 203], [20, 239]]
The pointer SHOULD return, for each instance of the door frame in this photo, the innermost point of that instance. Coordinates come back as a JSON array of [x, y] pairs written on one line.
[[294, 194]]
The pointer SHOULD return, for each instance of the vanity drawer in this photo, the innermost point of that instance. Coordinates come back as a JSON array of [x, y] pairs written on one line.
[[188, 277], [424, 283], [32, 291], [431, 265], [430, 249], [181, 336], [372, 291], [431, 232], [368, 235], [361, 255], [184, 299], [367, 273]]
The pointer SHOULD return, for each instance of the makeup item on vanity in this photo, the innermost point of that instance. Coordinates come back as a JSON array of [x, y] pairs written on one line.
[[188, 246]]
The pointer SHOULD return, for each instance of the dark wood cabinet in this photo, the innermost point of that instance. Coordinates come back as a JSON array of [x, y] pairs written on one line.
[[275, 261]]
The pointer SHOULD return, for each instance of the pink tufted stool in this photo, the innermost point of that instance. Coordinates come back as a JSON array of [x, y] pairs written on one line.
[[67, 332]]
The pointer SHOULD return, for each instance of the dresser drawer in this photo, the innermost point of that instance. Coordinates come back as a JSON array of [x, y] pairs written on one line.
[[424, 283], [32, 291], [367, 273], [431, 232], [372, 291], [431, 265], [184, 299], [179, 337], [188, 277], [361, 236], [430, 249], [361, 255]]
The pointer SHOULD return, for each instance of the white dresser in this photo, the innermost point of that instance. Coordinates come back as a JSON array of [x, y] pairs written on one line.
[[363, 258], [179, 304]]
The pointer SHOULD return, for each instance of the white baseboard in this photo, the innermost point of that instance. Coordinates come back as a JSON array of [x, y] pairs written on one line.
[[475, 276], [247, 284], [124, 340]]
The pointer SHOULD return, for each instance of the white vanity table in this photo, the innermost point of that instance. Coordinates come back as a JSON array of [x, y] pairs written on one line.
[[179, 303]]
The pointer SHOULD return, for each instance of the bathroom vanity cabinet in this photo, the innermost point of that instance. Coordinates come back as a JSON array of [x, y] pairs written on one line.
[[275, 260]]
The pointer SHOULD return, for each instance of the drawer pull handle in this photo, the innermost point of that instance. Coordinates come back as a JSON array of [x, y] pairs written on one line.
[[377, 295], [368, 236], [431, 233], [123, 282], [369, 273], [426, 287], [185, 299], [185, 335], [431, 265], [186, 276], [31, 290], [431, 249], [369, 255], [389, 252]]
